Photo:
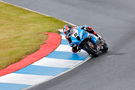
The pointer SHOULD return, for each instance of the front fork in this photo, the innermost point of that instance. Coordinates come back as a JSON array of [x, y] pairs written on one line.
[[99, 44]]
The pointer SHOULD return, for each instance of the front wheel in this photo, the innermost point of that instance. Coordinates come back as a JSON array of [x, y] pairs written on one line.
[[89, 48]]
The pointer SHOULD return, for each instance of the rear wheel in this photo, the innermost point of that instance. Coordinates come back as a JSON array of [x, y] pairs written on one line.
[[105, 48]]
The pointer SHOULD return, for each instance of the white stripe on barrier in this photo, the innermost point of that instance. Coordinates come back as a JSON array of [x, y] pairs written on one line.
[[24, 79], [65, 48], [63, 36], [52, 62]]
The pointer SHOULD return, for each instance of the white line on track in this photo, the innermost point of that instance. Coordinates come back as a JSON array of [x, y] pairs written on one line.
[[51, 62], [64, 48], [89, 57], [63, 36], [27, 79]]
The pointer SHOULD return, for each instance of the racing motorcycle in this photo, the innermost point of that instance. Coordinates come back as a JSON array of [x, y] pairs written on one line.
[[88, 42]]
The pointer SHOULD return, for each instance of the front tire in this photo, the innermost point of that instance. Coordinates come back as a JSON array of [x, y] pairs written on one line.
[[87, 47]]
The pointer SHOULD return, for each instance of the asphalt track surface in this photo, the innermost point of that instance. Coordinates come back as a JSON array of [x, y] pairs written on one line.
[[115, 21]]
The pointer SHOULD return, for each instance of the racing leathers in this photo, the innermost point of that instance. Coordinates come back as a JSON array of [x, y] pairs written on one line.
[[75, 49]]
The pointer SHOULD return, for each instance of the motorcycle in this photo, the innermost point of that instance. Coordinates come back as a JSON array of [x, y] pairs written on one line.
[[88, 42]]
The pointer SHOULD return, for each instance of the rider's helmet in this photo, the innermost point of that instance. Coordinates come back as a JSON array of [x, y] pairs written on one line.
[[67, 29], [89, 29]]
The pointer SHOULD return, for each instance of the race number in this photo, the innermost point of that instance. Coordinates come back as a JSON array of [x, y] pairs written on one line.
[[75, 34]]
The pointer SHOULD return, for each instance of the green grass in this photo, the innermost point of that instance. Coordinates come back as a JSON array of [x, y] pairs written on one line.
[[22, 32]]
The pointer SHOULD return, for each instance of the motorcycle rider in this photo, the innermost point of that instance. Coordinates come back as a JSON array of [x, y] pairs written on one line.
[[68, 29]]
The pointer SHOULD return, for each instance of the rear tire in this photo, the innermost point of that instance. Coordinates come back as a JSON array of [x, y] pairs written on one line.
[[105, 48]]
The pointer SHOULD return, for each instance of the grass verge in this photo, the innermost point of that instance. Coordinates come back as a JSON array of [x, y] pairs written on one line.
[[22, 32]]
